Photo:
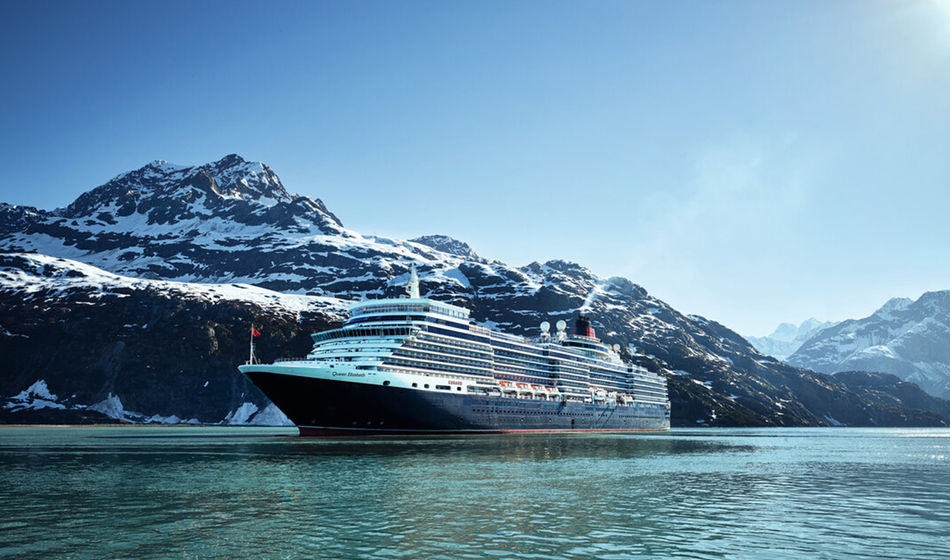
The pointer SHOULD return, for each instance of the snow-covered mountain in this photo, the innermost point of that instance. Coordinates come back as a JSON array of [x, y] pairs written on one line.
[[160, 235], [910, 339], [787, 338], [224, 222]]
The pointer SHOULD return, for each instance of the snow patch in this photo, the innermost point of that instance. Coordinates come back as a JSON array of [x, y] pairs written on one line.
[[37, 389], [5, 332], [596, 291], [53, 277], [112, 407], [37, 396], [173, 419], [241, 415], [878, 351], [833, 422], [271, 416]]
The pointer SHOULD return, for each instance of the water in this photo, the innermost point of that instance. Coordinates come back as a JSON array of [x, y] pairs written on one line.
[[194, 492]]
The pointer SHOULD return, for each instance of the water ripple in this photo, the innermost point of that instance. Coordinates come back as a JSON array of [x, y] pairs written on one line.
[[136, 492]]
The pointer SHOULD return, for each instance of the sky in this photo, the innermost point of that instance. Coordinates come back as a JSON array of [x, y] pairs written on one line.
[[751, 162]]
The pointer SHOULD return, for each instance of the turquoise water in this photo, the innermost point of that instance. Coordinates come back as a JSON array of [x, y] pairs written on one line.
[[194, 492]]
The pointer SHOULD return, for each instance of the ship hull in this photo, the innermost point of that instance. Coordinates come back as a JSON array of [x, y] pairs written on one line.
[[325, 407]]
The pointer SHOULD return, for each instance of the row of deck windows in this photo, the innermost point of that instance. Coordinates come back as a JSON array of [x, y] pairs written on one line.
[[425, 364], [514, 362]]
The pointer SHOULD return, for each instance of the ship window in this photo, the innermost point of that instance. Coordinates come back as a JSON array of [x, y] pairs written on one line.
[[426, 385], [386, 382], [415, 384], [443, 387]]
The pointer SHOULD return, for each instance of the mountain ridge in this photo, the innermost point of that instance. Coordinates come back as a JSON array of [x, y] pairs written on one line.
[[190, 224], [906, 338], [787, 337]]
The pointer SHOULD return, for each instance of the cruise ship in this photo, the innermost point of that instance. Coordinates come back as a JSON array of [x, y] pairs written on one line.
[[413, 365]]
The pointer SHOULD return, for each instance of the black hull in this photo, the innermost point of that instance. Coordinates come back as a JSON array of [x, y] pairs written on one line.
[[330, 407]]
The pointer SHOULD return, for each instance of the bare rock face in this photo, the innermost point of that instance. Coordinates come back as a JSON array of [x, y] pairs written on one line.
[[134, 302], [105, 346]]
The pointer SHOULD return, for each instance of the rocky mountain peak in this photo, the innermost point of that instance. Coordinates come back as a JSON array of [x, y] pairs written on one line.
[[448, 245], [14, 217], [207, 186], [936, 302], [811, 324], [237, 177], [894, 305], [559, 267], [624, 286], [785, 331], [787, 338], [164, 194], [162, 220]]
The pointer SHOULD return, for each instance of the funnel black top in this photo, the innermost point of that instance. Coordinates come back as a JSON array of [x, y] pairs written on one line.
[[582, 327]]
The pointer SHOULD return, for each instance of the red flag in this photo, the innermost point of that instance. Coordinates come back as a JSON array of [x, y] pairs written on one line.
[[255, 333]]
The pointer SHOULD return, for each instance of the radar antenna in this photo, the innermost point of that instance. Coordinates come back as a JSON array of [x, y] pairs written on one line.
[[545, 328]]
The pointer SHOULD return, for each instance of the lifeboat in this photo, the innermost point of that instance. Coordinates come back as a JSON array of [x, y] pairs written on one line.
[[507, 387]]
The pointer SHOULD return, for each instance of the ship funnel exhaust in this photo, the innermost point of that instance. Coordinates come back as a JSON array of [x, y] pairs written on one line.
[[582, 326]]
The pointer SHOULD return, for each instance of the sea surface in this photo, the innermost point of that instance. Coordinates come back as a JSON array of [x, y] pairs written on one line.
[[211, 492]]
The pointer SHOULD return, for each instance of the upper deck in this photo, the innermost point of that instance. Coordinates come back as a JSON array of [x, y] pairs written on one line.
[[402, 306]]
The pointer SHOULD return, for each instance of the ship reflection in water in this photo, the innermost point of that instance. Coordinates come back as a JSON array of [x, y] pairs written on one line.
[[245, 492]]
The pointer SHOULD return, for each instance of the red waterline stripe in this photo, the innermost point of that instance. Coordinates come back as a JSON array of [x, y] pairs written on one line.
[[314, 431]]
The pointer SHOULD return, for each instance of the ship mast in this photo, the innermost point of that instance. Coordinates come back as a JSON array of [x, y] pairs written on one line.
[[412, 285], [250, 359]]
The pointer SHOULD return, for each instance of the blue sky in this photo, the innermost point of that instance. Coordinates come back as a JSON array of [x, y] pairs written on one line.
[[752, 162]]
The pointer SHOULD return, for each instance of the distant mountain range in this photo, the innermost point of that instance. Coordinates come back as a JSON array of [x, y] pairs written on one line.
[[787, 338], [134, 302], [910, 339]]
